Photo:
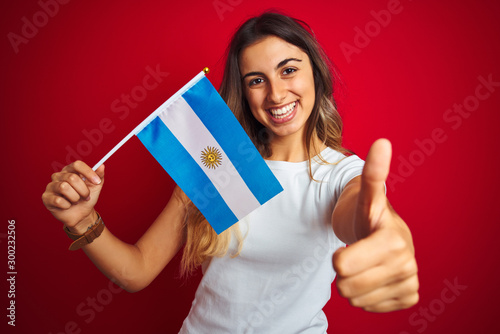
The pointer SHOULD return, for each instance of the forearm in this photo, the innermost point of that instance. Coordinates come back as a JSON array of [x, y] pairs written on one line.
[[344, 214], [121, 262], [346, 217], [71, 197]]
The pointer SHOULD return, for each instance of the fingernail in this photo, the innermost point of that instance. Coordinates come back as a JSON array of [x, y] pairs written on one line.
[[96, 180], [88, 198]]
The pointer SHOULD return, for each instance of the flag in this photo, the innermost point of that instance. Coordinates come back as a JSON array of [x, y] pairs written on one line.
[[201, 145]]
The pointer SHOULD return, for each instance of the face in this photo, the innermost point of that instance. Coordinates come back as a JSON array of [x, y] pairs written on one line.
[[278, 84]]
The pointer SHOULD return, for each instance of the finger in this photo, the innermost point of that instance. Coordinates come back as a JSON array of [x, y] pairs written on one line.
[[100, 172], [53, 201], [375, 171], [72, 186], [377, 277], [394, 304], [80, 167], [68, 191], [65, 190], [363, 254], [396, 290]]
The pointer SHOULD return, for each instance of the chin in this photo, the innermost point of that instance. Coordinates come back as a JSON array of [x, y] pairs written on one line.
[[290, 129]]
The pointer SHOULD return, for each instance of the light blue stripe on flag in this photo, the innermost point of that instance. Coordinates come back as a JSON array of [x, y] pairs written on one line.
[[198, 141], [167, 150], [220, 121]]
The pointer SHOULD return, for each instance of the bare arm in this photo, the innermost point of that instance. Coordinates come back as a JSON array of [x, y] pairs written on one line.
[[343, 215], [71, 197], [344, 222], [134, 267], [378, 271]]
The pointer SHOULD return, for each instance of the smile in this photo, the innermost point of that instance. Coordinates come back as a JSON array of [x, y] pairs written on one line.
[[283, 112]]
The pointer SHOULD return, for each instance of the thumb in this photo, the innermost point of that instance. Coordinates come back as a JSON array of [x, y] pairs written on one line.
[[94, 187], [375, 172], [100, 171]]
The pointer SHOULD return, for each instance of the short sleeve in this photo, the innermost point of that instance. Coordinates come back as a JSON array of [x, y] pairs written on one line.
[[343, 172]]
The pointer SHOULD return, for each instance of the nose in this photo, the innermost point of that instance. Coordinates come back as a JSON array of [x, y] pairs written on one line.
[[277, 91]]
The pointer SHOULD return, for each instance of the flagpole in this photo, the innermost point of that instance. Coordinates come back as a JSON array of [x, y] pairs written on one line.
[[110, 153], [152, 116]]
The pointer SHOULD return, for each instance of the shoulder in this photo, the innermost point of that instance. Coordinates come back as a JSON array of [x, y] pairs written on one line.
[[339, 169], [336, 160]]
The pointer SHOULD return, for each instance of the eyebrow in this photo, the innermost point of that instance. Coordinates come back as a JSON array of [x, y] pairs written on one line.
[[280, 64]]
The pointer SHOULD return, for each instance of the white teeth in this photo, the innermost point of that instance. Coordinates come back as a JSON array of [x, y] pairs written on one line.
[[283, 112]]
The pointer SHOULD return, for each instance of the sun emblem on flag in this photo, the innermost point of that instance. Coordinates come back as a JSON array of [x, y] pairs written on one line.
[[211, 157]]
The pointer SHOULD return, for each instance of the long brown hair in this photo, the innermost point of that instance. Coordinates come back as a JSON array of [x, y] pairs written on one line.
[[324, 122]]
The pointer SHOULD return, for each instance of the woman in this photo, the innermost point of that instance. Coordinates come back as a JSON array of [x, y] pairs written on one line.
[[272, 272]]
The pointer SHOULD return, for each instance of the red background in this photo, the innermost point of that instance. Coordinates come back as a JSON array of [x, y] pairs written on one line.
[[399, 84]]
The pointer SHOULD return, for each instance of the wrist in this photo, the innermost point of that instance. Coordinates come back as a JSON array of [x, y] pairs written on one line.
[[82, 239], [83, 225]]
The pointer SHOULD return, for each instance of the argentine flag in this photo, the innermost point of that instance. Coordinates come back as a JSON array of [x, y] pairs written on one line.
[[201, 145]]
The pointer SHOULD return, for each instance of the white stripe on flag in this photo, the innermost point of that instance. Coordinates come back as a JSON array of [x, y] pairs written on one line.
[[187, 127]]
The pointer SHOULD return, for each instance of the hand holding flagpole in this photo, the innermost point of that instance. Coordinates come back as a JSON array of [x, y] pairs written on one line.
[[378, 272]]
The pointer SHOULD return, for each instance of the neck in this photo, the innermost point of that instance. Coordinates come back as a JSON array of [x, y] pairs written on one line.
[[294, 149]]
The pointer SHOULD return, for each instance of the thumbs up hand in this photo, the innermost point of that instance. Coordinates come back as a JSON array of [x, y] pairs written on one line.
[[378, 271]]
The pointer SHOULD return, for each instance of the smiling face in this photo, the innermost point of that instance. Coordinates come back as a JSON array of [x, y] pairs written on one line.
[[278, 84]]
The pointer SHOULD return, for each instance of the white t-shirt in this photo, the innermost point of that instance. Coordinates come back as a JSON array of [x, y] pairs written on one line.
[[282, 278]]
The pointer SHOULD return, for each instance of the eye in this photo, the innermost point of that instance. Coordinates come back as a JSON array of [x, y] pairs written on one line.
[[255, 81], [289, 70]]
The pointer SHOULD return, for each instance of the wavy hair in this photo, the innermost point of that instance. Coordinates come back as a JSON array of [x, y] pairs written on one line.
[[324, 122]]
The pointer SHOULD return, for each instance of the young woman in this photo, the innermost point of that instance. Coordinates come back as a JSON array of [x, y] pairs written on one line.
[[272, 272]]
